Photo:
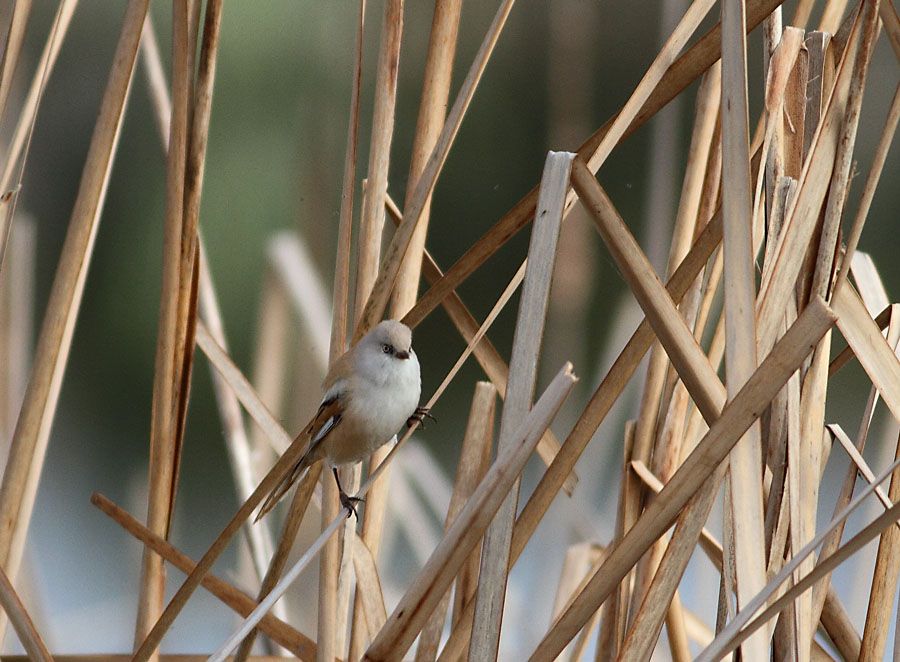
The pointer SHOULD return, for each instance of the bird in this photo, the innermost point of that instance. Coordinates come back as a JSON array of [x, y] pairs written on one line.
[[371, 391]]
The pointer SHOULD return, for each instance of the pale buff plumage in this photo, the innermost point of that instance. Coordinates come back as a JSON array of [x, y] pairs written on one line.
[[370, 393]]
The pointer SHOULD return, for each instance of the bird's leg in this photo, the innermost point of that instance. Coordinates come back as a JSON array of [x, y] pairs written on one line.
[[347, 501], [420, 414]]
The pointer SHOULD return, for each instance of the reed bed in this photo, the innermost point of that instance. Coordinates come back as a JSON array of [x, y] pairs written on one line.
[[763, 299]]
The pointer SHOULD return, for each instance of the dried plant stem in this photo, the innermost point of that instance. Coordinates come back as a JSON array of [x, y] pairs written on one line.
[[164, 428], [476, 448], [242, 603], [25, 124], [15, 37], [369, 252], [412, 214], [884, 585], [289, 457], [491, 591], [593, 415], [290, 528], [28, 635], [745, 469], [486, 354], [742, 626], [426, 590], [686, 69], [33, 427], [737, 416]]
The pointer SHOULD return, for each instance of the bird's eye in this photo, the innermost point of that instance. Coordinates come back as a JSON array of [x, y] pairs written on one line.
[[387, 349]]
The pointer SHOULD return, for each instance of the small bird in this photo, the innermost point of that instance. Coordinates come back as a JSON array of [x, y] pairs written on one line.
[[370, 392]]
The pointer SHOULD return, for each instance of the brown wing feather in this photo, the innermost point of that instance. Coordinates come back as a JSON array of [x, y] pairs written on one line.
[[329, 414]]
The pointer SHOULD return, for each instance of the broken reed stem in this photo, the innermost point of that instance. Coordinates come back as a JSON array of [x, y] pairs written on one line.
[[51, 354], [529, 330]]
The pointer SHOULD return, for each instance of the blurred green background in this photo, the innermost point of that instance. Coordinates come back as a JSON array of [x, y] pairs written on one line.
[[276, 146]]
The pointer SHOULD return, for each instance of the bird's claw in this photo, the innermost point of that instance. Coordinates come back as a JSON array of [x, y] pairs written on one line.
[[349, 503], [419, 415]]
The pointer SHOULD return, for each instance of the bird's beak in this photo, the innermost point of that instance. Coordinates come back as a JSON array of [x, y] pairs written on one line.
[[402, 355]]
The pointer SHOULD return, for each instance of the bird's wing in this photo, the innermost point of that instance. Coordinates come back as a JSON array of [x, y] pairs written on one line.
[[326, 419]]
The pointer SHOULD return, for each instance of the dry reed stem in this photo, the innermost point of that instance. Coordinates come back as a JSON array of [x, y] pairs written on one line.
[[486, 354], [242, 603], [25, 124], [269, 363], [371, 226], [426, 590], [578, 564], [708, 543], [341, 291], [476, 446], [276, 435], [876, 357], [39, 406], [23, 625], [289, 530], [16, 328], [373, 609], [612, 627], [165, 440], [804, 210], [432, 111], [491, 592], [857, 459], [531, 429], [739, 293], [425, 184], [12, 49], [157, 85], [667, 447], [742, 625], [686, 69], [694, 473], [649, 82], [862, 212], [240, 455], [832, 542], [593, 415]]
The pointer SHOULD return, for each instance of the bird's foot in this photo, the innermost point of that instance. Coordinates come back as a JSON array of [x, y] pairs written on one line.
[[419, 415], [349, 503]]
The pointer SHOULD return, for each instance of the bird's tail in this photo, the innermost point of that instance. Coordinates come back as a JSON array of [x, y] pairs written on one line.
[[282, 488]]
